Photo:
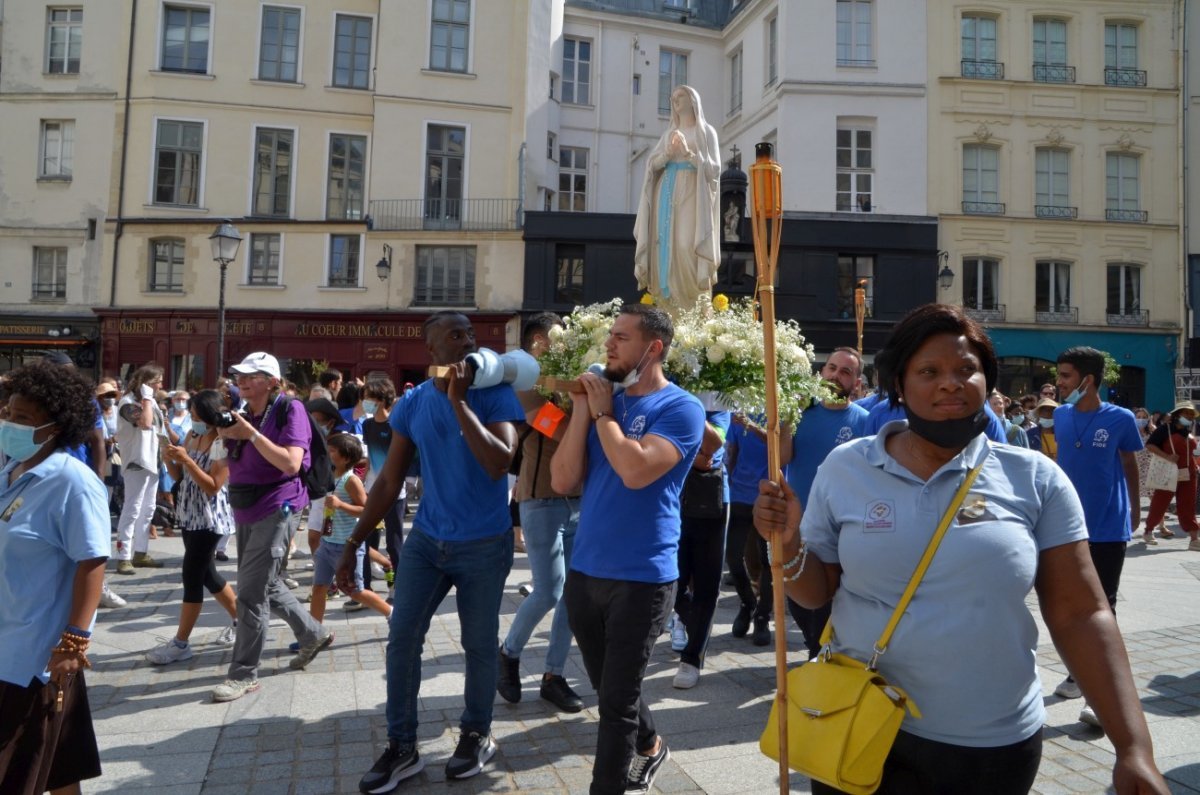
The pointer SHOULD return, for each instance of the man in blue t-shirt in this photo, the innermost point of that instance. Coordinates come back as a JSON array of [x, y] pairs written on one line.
[[1096, 446], [630, 451], [461, 538]]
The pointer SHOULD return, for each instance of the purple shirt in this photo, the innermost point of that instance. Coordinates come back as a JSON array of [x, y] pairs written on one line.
[[251, 467]]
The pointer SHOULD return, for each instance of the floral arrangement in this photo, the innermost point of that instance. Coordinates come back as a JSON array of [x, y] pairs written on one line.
[[717, 355]]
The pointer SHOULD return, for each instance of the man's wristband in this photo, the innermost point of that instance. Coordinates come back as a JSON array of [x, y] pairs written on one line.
[[80, 631], [602, 413]]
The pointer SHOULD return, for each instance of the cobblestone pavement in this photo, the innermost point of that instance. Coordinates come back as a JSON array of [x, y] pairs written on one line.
[[319, 730]]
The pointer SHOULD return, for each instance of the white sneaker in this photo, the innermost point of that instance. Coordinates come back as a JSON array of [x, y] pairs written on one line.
[[686, 677], [377, 571], [227, 636], [678, 634], [233, 689], [1088, 715], [169, 652], [110, 599], [1068, 689]]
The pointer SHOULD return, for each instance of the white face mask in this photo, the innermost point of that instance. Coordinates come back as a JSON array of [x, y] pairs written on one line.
[[634, 374]]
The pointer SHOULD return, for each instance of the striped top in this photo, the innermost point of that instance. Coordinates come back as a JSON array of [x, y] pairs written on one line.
[[196, 510]]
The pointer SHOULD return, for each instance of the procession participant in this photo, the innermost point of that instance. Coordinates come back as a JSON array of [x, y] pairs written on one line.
[[379, 395], [1041, 438], [1174, 442], [140, 426], [630, 454]]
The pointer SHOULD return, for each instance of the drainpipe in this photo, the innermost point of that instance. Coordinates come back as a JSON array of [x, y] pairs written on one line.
[[521, 153], [633, 53], [112, 293], [1184, 243]]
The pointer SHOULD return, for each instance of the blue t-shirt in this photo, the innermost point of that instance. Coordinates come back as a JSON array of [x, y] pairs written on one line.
[[633, 534], [1089, 451], [461, 501], [870, 401], [83, 450], [721, 420], [820, 430], [351, 425], [883, 413], [750, 465]]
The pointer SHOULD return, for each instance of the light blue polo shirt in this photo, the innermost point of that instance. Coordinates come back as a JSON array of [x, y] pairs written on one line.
[[819, 431], [965, 650], [1089, 451], [51, 518]]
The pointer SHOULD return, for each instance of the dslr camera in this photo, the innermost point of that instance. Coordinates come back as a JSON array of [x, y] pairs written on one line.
[[225, 419]]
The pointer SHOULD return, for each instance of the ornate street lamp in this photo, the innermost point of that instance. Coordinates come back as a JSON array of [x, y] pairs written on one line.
[[225, 242]]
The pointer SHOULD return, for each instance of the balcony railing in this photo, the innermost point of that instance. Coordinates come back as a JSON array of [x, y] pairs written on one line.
[[1053, 73], [1128, 78], [466, 215], [995, 313], [1127, 216], [861, 64], [1129, 317], [983, 208], [1055, 211], [1061, 314], [983, 70]]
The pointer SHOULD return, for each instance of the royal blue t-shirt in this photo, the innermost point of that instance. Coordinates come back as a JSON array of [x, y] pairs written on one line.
[[820, 430], [461, 502], [1089, 450], [884, 412], [352, 425], [721, 420], [633, 534], [750, 466], [83, 450], [870, 401]]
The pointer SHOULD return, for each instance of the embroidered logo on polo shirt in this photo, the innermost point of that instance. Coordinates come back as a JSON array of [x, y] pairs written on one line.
[[880, 517], [637, 428], [845, 434], [1100, 439]]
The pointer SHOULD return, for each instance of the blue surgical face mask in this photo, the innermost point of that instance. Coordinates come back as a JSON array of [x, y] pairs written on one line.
[[1018, 418], [1184, 422], [16, 441], [370, 407], [1142, 422], [1075, 396], [324, 431], [1046, 422], [199, 428]]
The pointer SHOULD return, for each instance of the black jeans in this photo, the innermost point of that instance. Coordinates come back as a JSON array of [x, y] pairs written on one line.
[[1109, 559], [741, 527], [701, 555], [372, 542], [810, 622], [393, 530], [925, 767], [199, 568], [615, 623]]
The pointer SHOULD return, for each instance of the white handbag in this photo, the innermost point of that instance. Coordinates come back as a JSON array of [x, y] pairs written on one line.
[[1162, 474]]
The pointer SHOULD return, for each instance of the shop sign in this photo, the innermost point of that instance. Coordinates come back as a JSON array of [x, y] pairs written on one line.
[[368, 330]]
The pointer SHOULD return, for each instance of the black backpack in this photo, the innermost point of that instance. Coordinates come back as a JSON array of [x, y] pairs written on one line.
[[318, 476]]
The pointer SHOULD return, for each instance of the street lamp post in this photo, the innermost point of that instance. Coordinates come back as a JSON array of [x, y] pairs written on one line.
[[225, 242]]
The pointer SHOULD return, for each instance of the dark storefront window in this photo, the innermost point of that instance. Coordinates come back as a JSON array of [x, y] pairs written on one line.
[[1021, 375], [851, 269], [568, 281], [187, 372]]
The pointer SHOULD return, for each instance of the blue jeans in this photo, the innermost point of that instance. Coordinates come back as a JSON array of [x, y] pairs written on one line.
[[428, 568], [549, 528]]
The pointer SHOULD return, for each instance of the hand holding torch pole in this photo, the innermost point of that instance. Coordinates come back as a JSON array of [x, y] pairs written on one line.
[[860, 311]]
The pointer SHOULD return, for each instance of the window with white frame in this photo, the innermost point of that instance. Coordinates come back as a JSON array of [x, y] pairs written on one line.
[[1120, 45], [855, 170], [1124, 289], [279, 48], [672, 71], [1050, 52], [1052, 286], [852, 270], [572, 179], [57, 147], [347, 177], [352, 52], [981, 283], [854, 38], [449, 35], [979, 47], [445, 172], [185, 39], [264, 258], [577, 72], [1121, 181], [445, 276], [64, 40], [273, 172], [1052, 178], [178, 158], [344, 256], [981, 180], [166, 265], [49, 273], [551, 146], [735, 81], [772, 50]]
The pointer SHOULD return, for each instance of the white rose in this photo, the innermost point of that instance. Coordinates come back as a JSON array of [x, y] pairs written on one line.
[[555, 332], [716, 353]]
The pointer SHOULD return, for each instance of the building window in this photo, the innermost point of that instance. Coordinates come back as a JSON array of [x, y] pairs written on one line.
[[1120, 46], [347, 174], [185, 38], [352, 52], [981, 182], [64, 40], [279, 51], [551, 144], [57, 150], [577, 72], [343, 261], [1052, 287], [548, 201], [445, 165], [1122, 202], [637, 85], [445, 276], [572, 179], [49, 274], [568, 281], [854, 33], [772, 50], [178, 158], [981, 283], [264, 259], [166, 266], [672, 71], [1124, 289], [979, 48], [1052, 181], [735, 82], [273, 172], [449, 35], [851, 271], [1050, 52], [854, 171]]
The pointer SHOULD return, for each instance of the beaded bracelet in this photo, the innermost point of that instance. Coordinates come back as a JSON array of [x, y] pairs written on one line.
[[793, 562], [74, 645], [803, 556]]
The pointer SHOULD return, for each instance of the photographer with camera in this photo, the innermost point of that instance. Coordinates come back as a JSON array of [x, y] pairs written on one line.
[[267, 454]]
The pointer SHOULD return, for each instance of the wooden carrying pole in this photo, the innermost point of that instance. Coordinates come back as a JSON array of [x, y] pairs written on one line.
[[766, 214], [860, 311]]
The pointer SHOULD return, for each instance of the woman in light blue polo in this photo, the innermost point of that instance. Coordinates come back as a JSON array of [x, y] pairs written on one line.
[[54, 541], [966, 648]]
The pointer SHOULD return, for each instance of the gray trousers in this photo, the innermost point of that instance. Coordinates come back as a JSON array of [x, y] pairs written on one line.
[[261, 592]]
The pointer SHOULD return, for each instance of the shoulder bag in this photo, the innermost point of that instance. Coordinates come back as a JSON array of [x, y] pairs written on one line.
[[1163, 474], [843, 716]]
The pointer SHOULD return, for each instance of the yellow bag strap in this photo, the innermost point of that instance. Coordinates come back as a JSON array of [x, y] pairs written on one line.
[[918, 574]]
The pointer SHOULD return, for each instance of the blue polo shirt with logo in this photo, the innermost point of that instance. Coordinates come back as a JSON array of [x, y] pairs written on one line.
[[1090, 444]]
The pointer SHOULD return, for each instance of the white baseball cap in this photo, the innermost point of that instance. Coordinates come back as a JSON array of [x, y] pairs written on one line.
[[258, 362]]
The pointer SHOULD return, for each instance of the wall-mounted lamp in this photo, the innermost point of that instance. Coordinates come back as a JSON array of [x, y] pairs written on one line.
[[945, 276], [384, 267]]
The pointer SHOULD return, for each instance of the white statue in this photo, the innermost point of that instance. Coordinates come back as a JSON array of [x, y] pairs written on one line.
[[678, 227]]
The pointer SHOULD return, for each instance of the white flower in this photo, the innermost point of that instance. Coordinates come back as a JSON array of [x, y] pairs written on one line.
[[716, 353]]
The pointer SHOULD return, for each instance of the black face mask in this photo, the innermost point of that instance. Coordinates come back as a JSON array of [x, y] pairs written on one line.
[[949, 434]]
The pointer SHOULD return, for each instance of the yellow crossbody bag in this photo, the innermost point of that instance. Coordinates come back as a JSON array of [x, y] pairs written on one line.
[[843, 716]]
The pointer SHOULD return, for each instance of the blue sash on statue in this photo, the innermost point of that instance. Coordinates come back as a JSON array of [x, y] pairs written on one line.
[[666, 190]]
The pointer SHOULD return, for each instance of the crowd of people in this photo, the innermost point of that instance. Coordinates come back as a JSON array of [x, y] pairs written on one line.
[[632, 500]]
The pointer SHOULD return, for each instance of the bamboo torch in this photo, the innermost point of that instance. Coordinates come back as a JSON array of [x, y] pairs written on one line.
[[860, 310], [766, 214]]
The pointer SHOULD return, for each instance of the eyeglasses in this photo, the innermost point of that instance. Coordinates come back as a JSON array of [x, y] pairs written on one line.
[[242, 378]]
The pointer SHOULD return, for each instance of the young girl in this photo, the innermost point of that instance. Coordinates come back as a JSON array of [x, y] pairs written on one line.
[[346, 501], [205, 518]]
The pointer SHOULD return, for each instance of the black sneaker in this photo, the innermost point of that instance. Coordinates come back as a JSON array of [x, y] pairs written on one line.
[[508, 677], [398, 762], [473, 752], [741, 624], [556, 690], [645, 768], [762, 632]]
